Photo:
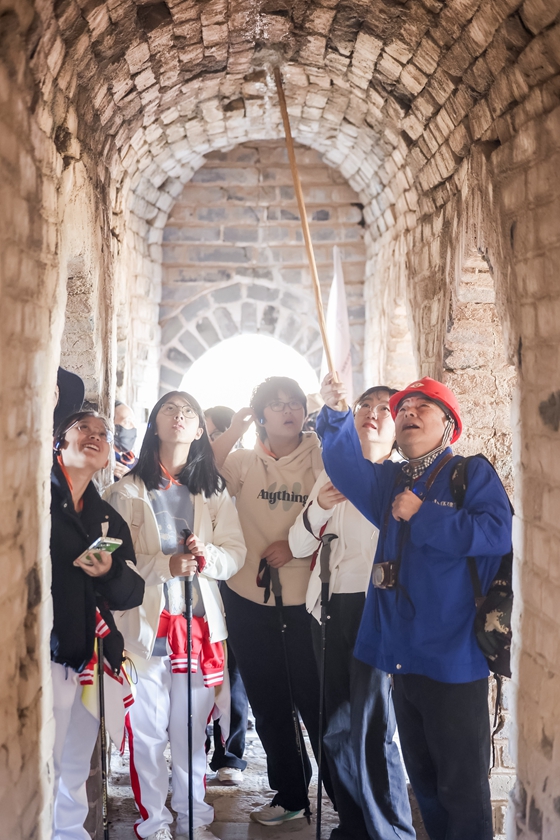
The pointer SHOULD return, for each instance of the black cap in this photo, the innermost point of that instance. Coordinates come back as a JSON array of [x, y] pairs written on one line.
[[71, 391]]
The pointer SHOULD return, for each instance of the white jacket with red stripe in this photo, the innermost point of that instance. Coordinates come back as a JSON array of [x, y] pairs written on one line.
[[215, 523]]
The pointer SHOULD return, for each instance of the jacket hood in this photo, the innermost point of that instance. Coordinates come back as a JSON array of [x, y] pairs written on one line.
[[296, 459]]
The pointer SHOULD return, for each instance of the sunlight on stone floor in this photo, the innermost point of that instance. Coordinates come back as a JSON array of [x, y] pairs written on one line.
[[232, 804]]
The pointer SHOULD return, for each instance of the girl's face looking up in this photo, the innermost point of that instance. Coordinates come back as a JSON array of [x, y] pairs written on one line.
[[177, 421], [373, 420], [87, 444]]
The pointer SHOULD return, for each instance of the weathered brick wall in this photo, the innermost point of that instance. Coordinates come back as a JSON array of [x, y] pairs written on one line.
[[234, 261], [526, 167], [30, 175], [52, 227]]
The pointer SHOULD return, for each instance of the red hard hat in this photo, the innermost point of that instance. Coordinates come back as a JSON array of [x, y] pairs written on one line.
[[435, 391]]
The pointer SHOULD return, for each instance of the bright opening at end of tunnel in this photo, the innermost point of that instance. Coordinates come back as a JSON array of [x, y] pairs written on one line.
[[227, 373]]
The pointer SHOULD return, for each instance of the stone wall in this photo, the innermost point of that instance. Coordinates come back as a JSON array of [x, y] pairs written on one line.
[[234, 260], [526, 168]]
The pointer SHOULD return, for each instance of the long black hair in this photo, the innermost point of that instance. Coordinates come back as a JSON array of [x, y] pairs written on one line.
[[199, 474]]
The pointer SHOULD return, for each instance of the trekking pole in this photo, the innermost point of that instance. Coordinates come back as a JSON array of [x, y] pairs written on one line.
[[305, 228], [189, 606], [324, 576], [189, 616], [104, 796], [277, 592]]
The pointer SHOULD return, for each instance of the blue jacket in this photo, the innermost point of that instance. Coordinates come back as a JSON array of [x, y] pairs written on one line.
[[426, 625]]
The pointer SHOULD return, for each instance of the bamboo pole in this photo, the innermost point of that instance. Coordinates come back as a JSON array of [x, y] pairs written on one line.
[[305, 225]]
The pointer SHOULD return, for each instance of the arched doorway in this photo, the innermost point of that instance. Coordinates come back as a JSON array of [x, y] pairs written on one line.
[[227, 373], [233, 260]]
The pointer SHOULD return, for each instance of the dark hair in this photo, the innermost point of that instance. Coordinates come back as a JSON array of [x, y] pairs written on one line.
[[71, 420], [220, 415], [268, 391], [373, 390], [199, 474]]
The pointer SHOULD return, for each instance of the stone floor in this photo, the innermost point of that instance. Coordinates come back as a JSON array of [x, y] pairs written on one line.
[[232, 804]]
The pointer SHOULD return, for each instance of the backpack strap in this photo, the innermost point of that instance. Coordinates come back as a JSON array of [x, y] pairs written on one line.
[[459, 484], [459, 481], [479, 598]]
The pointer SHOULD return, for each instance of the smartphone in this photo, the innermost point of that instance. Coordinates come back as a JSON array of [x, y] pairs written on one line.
[[101, 544]]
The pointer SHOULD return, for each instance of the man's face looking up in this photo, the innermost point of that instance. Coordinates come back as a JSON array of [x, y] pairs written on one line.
[[419, 425]]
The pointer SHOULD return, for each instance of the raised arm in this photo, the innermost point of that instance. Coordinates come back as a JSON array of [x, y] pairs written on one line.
[[363, 483], [223, 444]]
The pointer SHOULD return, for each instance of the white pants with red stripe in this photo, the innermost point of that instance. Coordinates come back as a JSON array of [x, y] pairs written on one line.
[[160, 713], [74, 741]]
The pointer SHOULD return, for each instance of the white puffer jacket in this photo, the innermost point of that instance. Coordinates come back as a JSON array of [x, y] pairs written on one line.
[[215, 523]]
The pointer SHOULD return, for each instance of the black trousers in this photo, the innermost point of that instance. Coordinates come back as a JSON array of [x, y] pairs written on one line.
[[254, 631], [364, 761], [230, 754], [445, 737]]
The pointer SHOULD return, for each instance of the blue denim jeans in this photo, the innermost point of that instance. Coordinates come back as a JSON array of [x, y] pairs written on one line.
[[364, 761], [444, 730], [230, 754]]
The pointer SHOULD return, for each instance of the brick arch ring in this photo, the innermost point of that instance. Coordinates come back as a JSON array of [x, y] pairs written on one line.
[[241, 307]]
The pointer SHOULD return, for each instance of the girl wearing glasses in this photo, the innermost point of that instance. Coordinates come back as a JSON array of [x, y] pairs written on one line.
[[173, 491], [364, 761], [85, 588], [271, 484]]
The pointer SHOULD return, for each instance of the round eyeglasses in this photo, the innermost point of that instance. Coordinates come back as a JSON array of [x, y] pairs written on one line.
[[186, 411], [84, 428], [278, 405]]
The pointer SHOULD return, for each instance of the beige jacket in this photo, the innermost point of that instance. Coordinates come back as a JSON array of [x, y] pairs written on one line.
[[215, 523], [269, 494]]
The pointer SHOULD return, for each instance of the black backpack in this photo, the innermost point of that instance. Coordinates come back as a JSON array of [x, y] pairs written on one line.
[[492, 625]]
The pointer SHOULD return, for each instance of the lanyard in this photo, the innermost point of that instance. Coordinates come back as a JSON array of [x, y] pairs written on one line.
[[80, 505], [168, 476]]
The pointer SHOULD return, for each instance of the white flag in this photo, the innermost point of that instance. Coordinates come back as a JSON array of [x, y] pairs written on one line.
[[338, 328]]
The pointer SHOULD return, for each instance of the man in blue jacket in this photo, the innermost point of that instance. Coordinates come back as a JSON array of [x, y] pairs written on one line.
[[418, 619]]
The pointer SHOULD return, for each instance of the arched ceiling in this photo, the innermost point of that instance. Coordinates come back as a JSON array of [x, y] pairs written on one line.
[[393, 92]]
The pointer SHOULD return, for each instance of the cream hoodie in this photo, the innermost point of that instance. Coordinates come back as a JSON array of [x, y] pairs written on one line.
[[270, 493]]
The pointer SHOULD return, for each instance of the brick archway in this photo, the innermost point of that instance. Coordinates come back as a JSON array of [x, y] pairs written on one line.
[[234, 261], [242, 307]]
